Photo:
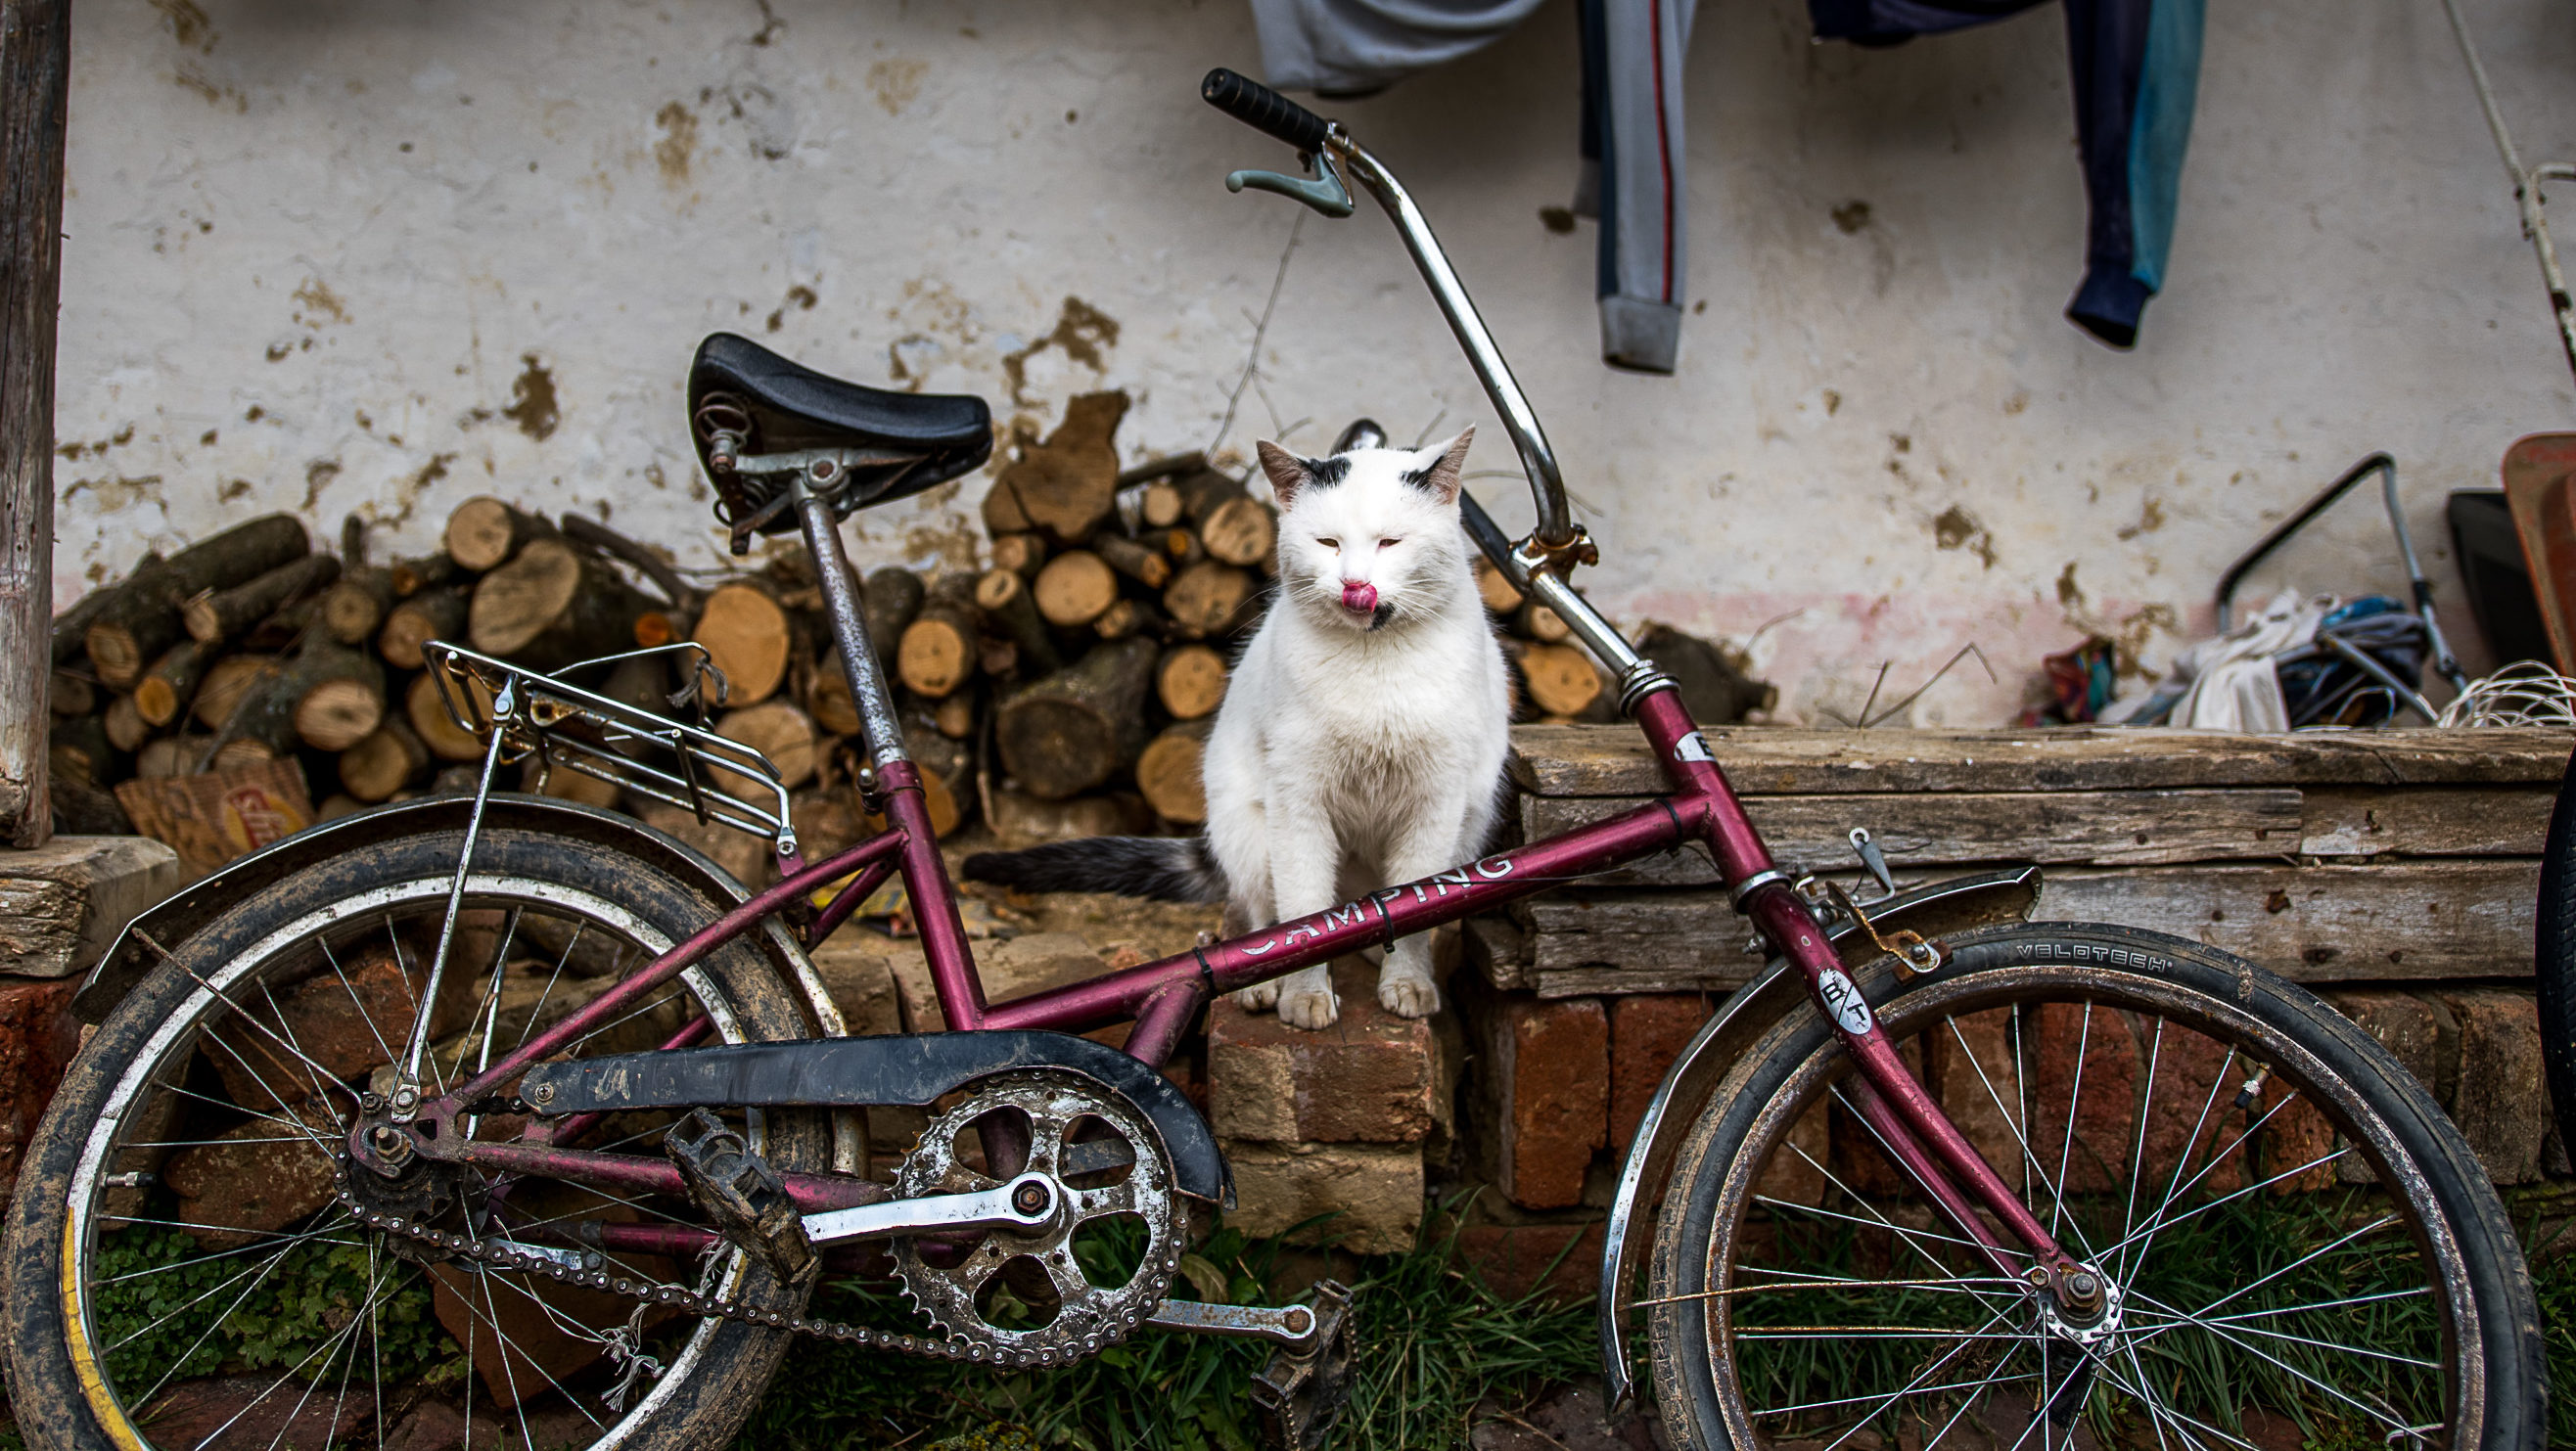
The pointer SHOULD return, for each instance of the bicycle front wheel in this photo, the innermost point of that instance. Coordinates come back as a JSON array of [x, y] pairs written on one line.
[[2300, 1248]]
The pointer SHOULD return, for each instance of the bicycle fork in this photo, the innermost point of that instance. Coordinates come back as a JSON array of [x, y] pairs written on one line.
[[1888, 1098]]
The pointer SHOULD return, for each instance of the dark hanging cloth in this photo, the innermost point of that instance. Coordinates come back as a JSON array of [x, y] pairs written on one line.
[[2136, 67]]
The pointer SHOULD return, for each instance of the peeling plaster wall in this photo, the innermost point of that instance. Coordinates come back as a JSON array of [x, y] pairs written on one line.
[[377, 257]]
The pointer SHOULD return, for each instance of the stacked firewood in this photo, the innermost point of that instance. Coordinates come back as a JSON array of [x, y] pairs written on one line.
[[1065, 688], [253, 648], [1097, 642]]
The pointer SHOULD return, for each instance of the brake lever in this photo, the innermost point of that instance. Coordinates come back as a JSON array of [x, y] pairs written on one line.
[[1324, 191]]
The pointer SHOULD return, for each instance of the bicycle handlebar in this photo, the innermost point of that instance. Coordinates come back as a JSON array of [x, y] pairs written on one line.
[[1335, 153], [1264, 110]]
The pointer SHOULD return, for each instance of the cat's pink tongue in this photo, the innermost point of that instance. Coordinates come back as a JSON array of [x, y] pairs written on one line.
[[1360, 598]]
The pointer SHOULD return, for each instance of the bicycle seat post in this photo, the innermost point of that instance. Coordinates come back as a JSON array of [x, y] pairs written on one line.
[[849, 619]]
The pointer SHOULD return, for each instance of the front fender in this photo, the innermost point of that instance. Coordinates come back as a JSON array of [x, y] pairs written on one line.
[[192, 907], [1934, 909]]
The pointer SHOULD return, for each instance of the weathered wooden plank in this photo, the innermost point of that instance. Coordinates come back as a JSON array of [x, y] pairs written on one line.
[[2392, 920], [1588, 982], [2426, 820], [2109, 828], [35, 60], [1604, 760]]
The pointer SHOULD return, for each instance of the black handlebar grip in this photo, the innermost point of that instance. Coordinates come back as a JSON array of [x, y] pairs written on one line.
[[1263, 109]]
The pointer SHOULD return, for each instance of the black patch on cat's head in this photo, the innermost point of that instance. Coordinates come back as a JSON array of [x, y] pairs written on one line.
[[1326, 472]]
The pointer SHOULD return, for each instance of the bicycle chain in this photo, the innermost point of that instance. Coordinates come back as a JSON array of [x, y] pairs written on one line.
[[500, 1255]]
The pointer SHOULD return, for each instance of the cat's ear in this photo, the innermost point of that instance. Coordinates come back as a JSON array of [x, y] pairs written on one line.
[[1438, 468], [1288, 473]]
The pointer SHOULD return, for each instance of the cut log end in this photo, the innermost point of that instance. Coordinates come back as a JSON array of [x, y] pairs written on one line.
[[1168, 773], [1074, 588], [746, 634]]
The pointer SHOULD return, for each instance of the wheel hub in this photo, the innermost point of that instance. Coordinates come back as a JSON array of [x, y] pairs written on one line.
[[2062, 1307]]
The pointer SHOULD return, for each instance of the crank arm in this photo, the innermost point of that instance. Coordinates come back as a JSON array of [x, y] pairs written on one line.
[[1289, 1325], [1029, 1202]]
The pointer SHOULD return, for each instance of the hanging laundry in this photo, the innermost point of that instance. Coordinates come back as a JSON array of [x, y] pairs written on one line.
[[1632, 176], [2136, 67], [1633, 173], [1343, 48]]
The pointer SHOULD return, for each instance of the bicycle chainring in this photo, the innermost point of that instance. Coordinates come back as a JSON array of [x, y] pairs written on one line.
[[1071, 1123]]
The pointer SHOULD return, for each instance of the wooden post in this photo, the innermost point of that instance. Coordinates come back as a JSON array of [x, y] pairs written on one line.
[[35, 64]]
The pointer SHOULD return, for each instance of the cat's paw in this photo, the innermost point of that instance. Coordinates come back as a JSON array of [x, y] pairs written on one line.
[[1407, 991], [1257, 998], [1309, 1007]]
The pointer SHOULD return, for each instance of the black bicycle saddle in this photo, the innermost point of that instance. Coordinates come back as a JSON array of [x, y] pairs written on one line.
[[770, 405]]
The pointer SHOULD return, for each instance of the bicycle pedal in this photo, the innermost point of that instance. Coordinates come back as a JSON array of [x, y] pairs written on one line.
[[744, 1197], [1299, 1396]]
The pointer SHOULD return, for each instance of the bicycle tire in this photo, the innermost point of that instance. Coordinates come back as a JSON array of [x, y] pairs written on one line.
[[2462, 1327], [64, 1392], [2553, 956]]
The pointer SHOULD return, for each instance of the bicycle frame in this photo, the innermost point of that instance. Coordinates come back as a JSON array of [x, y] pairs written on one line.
[[1164, 997]]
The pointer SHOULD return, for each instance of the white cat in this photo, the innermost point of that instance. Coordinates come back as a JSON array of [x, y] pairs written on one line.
[[1362, 737]]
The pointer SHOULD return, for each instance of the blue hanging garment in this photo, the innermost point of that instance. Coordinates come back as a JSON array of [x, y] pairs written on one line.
[[2136, 67]]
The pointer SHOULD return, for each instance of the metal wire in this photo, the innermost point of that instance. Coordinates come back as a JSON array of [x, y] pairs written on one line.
[[2526, 693]]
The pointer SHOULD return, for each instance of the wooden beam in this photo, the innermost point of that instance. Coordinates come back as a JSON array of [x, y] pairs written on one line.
[[2401, 920], [35, 64], [1605, 760], [1917, 829]]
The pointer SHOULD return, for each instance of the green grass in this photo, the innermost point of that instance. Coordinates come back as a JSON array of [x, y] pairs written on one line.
[[2259, 1253], [1432, 1340]]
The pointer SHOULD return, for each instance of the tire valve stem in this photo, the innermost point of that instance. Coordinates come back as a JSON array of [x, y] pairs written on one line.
[[2252, 1093]]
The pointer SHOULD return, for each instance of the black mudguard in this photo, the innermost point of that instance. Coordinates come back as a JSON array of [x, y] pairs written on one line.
[[908, 1068]]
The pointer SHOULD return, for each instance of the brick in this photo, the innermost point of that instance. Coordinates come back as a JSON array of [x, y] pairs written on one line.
[[437, 1426], [333, 1024], [1647, 1032], [532, 1351], [860, 979], [2411, 1029], [1010, 968], [1373, 1193], [1372, 1077], [1560, 1261], [2100, 1094], [2406, 1025], [2296, 1134], [62, 904], [1856, 1159], [237, 1412], [1551, 1064], [2191, 1115], [246, 1185], [37, 1040], [2499, 1100], [1973, 1073]]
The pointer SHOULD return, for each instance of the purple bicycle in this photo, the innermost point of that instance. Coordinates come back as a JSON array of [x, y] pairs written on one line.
[[508, 1079]]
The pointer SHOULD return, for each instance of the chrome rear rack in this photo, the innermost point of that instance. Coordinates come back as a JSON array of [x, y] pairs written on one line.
[[558, 724]]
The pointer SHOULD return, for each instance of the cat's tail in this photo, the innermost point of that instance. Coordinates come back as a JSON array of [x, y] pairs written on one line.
[[1167, 868]]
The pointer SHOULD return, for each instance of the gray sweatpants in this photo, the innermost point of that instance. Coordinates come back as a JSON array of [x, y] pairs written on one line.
[[1633, 173]]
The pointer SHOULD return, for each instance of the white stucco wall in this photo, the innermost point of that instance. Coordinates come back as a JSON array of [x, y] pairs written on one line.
[[337, 255]]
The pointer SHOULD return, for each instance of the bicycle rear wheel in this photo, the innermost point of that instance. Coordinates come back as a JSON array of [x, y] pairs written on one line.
[[2299, 1246], [185, 1273]]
